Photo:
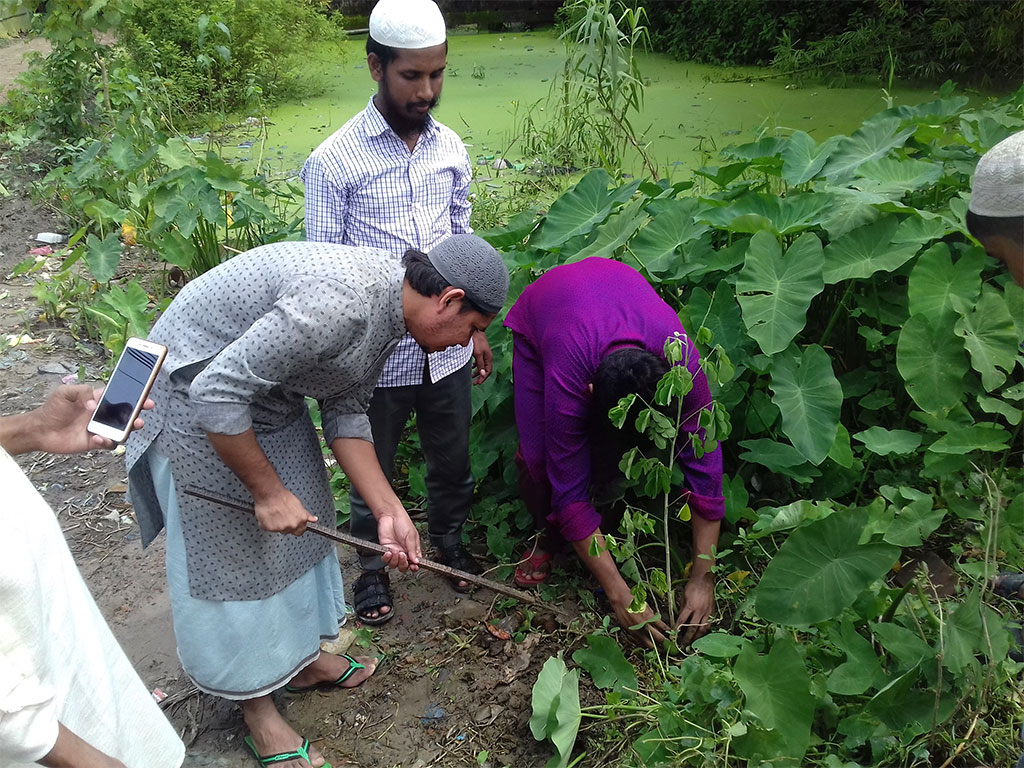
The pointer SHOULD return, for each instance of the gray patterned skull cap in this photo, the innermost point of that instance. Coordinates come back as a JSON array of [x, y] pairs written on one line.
[[998, 188], [407, 24], [470, 263]]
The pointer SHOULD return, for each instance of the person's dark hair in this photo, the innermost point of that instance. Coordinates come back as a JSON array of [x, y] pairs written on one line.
[[385, 53], [427, 281], [984, 227], [630, 370]]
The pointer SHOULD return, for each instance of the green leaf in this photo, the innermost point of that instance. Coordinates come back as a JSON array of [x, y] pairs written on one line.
[[754, 212], [611, 235], [774, 291], [935, 281], [865, 251], [931, 366], [720, 645], [778, 457], [989, 337], [841, 452], [607, 666], [103, 256], [979, 437], [904, 645], [882, 441], [556, 708], [803, 159], [875, 139], [580, 209], [131, 302], [861, 670], [899, 176], [821, 569], [921, 230], [175, 154], [656, 245], [1001, 407], [774, 519], [720, 314], [777, 688], [518, 227], [104, 211], [809, 397], [914, 523]]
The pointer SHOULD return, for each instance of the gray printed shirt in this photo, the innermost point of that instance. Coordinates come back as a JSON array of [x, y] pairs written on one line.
[[247, 343]]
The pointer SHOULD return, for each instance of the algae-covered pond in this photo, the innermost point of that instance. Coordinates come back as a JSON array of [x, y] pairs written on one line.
[[492, 78]]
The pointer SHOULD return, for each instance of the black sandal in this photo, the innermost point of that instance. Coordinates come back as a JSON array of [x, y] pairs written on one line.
[[456, 556], [371, 592]]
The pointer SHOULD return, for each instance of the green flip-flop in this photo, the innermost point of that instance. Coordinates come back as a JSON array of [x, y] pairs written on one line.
[[302, 753], [353, 667]]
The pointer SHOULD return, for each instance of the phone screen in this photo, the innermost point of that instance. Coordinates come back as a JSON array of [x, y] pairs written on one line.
[[125, 388]]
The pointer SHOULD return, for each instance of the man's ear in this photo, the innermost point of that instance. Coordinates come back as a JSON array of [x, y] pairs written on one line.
[[376, 68], [450, 296]]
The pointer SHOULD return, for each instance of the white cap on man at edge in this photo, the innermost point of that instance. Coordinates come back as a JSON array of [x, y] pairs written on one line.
[[407, 24], [998, 187]]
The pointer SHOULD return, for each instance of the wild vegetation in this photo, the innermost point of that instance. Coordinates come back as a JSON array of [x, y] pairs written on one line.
[[863, 350], [928, 40]]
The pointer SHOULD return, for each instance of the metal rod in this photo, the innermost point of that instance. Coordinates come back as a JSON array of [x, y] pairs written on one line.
[[352, 541]]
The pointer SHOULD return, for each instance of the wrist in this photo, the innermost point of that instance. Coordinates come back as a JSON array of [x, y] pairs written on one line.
[[17, 435]]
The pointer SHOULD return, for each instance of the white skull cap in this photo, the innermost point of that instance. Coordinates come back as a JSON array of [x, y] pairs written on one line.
[[407, 24], [998, 188]]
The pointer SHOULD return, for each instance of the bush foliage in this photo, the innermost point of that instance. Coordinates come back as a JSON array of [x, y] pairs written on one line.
[[921, 39]]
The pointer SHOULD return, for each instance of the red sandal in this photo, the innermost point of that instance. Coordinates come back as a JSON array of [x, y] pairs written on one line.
[[537, 561]]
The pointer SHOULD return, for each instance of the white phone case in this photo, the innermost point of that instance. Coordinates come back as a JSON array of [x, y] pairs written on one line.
[[117, 433]]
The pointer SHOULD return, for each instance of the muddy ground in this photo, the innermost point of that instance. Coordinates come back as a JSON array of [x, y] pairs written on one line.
[[447, 689]]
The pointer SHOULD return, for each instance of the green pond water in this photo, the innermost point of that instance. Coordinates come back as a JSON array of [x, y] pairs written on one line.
[[688, 109]]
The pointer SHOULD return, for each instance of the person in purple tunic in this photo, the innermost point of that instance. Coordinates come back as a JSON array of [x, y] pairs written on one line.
[[585, 334]]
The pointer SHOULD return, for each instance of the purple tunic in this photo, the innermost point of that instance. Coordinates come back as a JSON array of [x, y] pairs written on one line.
[[565, 324]]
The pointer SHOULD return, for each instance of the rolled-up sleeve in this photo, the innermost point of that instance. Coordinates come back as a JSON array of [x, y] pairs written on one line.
[[313, 320]]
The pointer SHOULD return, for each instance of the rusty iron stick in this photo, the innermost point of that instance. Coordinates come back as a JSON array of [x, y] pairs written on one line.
[[352, 541]]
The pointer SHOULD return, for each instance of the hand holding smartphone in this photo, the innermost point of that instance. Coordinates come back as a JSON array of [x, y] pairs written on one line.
[[127, 389]]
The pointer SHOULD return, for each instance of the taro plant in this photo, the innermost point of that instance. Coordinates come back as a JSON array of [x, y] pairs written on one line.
[[875, 416]]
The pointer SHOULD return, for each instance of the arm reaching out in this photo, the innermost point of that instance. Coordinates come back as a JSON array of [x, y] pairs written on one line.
[[58, 425]]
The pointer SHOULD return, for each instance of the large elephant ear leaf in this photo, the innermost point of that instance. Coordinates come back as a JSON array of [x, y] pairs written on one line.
[[777, 689], [806, 391], [803, 159], [775, 290], [580, 209], [821, 569], [865, 251], [935, 281], [875, 139], [932, 368], [989, 337]]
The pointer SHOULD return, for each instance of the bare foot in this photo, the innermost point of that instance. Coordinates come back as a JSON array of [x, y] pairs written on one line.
[[328, 668], [271, 734]]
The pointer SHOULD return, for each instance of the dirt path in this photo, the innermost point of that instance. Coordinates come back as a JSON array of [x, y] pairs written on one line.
[[447, 688], [12, 58]]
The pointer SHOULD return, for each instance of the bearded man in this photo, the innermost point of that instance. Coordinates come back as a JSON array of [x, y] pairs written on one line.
[[394, 178]]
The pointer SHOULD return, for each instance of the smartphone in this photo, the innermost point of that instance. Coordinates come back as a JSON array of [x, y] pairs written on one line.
[[127, 389]]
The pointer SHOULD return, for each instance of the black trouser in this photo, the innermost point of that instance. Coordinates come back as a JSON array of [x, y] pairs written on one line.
[[443, 411]]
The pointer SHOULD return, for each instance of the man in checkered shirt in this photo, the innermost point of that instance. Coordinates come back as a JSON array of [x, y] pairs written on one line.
[[394, 178]]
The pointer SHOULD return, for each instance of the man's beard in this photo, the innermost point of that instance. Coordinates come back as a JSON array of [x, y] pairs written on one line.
[[407, 113]]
